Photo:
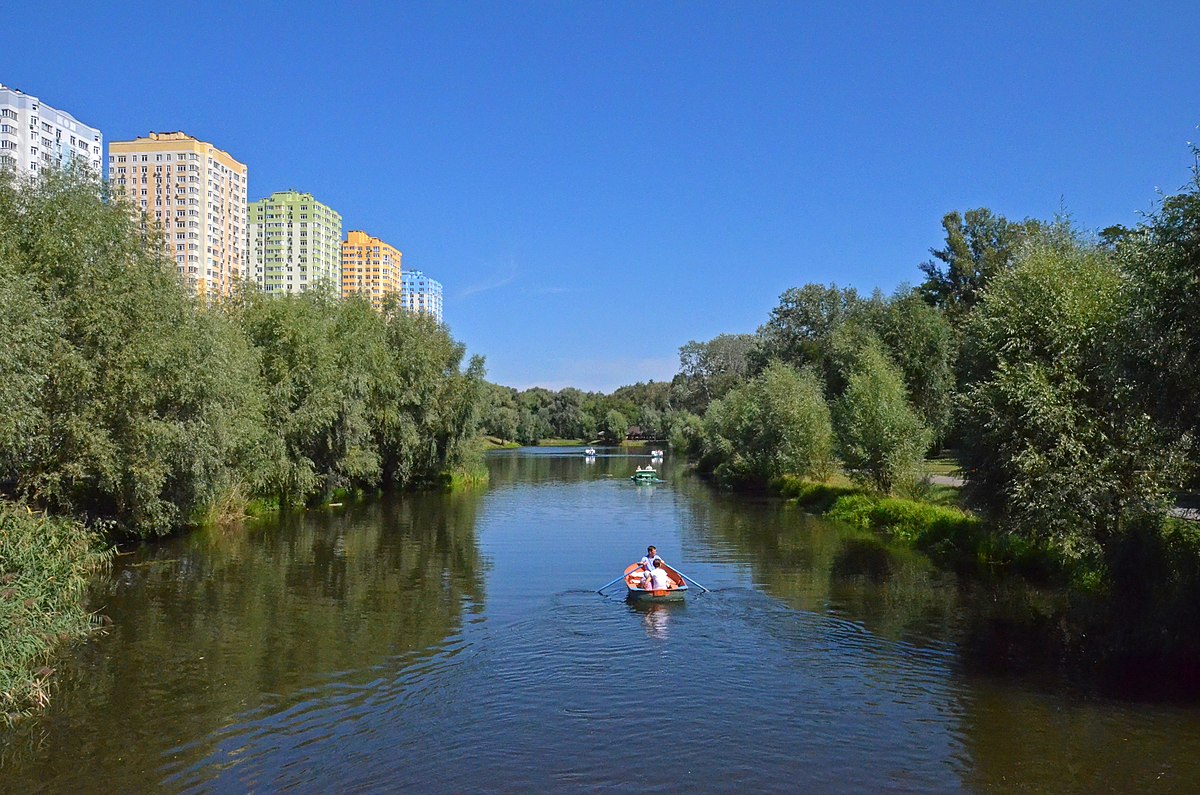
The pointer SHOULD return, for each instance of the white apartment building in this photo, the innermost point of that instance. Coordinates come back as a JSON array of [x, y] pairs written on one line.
[[420, 294], [35, 136], [196, 195], [295, 243]]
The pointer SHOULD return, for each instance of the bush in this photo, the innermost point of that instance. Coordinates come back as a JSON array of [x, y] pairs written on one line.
[[818, 497]]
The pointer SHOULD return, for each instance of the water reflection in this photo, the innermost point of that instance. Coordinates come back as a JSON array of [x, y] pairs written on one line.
[[656, 617], [225, 623]]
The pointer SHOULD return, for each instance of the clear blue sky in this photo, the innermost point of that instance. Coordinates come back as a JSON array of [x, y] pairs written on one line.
[[595, 184]]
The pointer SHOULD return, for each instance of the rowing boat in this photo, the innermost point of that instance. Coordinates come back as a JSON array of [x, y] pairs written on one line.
[[633, 581]]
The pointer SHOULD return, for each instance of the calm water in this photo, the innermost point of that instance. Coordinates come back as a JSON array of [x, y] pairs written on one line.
[[455, 643]]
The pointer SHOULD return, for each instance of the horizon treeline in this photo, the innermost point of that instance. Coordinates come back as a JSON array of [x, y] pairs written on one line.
[[128, 402]]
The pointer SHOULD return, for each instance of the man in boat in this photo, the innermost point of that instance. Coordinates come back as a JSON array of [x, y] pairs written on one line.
[[647, 562]]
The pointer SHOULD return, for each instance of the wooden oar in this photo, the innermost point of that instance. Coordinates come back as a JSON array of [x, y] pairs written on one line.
[[689, 579], [614, 582]]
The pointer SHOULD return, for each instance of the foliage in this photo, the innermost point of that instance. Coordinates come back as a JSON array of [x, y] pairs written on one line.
[[979, 246], [799, 330], [615, 427], [1162, 260], [44, 567], [708, 370], [127, 399], [1058, 447], [777, 423], [814, 495], [922, 344], [881, 440]]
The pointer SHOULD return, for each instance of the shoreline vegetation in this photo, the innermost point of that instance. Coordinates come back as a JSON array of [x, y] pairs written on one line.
[[131, 409]]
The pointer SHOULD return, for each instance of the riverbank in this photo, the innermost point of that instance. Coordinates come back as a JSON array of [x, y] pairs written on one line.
[[45, 564], [1124, 623], [950, 535]]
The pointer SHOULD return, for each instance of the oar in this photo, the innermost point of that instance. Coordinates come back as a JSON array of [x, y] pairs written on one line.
[[614, 582], [689, 579]]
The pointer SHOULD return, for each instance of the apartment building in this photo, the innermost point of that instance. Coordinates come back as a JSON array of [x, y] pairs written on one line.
[[35, 136], [370, 267], [295, 243], [196, 194], [421, 295]]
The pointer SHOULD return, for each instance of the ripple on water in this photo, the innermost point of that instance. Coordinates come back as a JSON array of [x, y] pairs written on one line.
[[734, 684]]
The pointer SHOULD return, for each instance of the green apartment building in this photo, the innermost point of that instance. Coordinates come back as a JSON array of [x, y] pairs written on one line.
[[295, 243]]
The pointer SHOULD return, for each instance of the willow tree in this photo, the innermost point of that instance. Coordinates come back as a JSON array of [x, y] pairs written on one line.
[[1058, 444], [775, 424], [881, 438], [125, 399]]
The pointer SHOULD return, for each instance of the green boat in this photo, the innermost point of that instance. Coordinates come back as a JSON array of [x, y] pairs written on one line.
[[647, 475]]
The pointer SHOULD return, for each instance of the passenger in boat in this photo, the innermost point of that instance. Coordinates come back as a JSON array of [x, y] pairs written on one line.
[[659, 579]]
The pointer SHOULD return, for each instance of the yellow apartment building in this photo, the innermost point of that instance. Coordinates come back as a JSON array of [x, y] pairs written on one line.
[[196, 194], [369, 267]]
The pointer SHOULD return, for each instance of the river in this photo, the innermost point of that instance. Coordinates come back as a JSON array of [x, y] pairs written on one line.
[[455, 643]]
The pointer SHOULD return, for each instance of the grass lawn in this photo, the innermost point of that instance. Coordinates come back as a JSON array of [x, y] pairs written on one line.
[[495, 443], [946, 463]]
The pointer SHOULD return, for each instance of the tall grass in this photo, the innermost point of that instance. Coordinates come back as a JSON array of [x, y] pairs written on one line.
[[44, 567]]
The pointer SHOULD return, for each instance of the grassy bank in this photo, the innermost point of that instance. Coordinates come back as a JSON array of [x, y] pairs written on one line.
[[952, 537], [496, 443], [44, 567]]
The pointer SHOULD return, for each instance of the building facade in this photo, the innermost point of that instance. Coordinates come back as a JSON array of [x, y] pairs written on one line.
[[35, 136], [370, 267], [421, 295], [196, 194], [295, 243]]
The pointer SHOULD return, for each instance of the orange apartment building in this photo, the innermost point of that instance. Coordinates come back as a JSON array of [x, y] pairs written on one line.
[[370, 267], [196, 194]]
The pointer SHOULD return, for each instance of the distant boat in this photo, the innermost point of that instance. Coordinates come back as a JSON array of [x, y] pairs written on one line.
[[633, 582], [590, 452], [647, 475], [656, 453]]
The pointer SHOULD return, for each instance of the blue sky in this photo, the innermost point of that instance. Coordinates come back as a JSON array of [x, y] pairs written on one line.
[[595, 184]]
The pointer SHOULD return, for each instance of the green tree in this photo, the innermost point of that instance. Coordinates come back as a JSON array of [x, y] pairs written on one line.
[[922, 344], [881, 439], [141, 405], [1059, 447], [979, 246], [778, 423], [799, 329], [616, 426], [1162, 260], [708, 370]]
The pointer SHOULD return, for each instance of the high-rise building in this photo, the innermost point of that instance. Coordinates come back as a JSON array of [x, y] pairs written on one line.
[[35, 136], [421, 295], [295, 243], [369, 267], [193, 192]]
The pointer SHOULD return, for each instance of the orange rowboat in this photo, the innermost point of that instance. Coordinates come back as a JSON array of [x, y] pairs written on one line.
[[633, 581]]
